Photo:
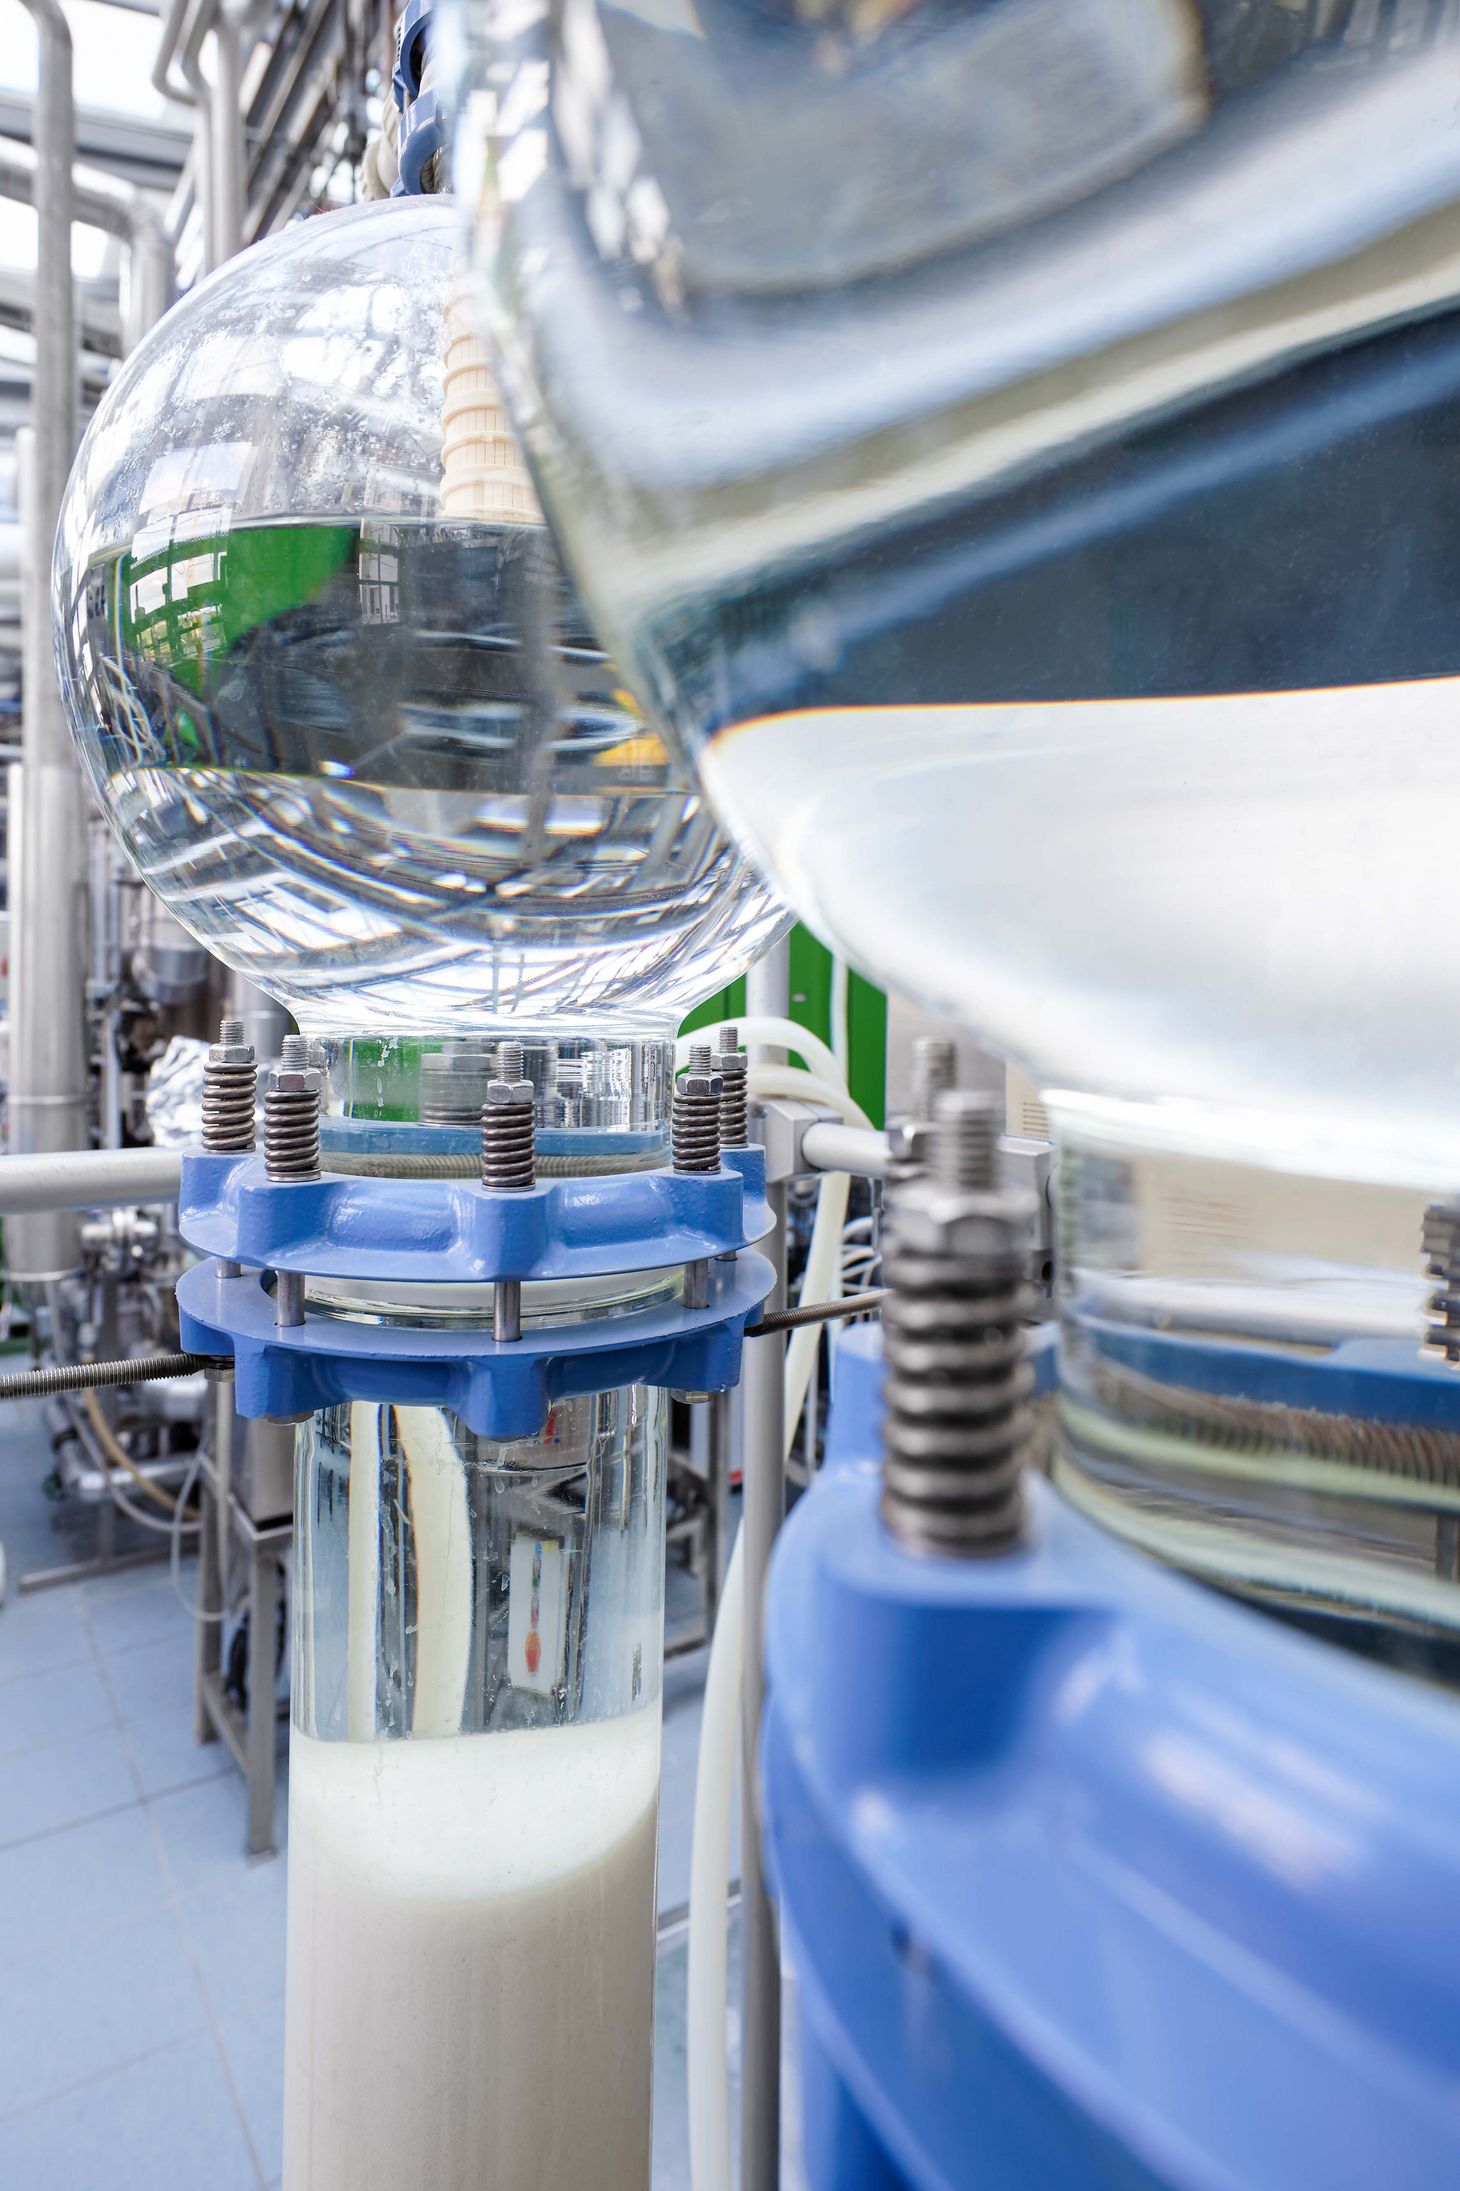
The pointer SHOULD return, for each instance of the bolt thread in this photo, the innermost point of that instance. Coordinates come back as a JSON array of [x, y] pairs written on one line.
[[291, 1130], [294, 1054], [230, 1092], [134, 1369], [934, 1072], [695, 1125], [509, 1062], [230, 1033], [509, 1151], [1441, 1251], [728, 1038], [957, 1389], [965, 1139], [734, 1071]]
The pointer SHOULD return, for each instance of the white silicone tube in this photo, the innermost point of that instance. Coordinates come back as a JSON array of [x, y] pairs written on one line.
[[709, 2080]]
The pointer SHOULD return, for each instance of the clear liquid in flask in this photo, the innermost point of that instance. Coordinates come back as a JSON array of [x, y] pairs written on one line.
[[385, 767]]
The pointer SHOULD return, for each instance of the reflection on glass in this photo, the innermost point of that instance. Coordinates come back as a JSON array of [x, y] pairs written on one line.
[[1016, 449], [332, 688]]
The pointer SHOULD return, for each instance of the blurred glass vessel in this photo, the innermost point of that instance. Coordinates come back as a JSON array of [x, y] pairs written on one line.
[[331, 687], [1016, 449]]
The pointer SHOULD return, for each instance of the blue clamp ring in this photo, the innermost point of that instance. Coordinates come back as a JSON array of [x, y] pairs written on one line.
[[410, 49], [500, 1390], [454, 1231], [422, 132]]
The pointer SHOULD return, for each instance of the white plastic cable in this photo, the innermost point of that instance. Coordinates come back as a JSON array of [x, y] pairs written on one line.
[[715, 1773]]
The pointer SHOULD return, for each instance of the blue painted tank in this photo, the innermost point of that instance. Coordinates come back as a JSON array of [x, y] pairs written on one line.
[[1093, 1878]]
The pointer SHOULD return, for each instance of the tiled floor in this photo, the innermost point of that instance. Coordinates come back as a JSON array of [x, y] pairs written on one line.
[[141, 2008]]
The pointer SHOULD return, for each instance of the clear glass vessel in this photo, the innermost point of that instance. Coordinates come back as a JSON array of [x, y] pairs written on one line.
[[473, 1783], [1015, 448], [331, 687], [1241, 1388]]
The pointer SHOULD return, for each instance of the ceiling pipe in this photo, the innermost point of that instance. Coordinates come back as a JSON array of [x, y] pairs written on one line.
[[104, 201]]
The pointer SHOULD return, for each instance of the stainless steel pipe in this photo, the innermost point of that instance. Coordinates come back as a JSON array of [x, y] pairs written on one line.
[[85, 1179], [763, 1404], [832, 1147], [104, 201]]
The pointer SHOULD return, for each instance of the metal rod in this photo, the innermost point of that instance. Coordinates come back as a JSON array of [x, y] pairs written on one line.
[[764, 1462], [832, 1147], [507, 1310], [227, 136], [816, 1312], [768, 996], [134, 1369], [49, 1069], [88, 1179]]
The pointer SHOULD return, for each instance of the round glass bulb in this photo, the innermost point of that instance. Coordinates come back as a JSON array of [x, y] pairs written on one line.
[[329, 682]]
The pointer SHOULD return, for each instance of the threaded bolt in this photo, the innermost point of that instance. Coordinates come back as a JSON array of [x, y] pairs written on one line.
[[509, 1165], [934, 1070], [230, 1089], [1441, 1252], [934, 1073], [734, 1070], [695, 1124], [965, 1140], [291, 1149], [958, 1373], [291, 1115], [695, 1139]]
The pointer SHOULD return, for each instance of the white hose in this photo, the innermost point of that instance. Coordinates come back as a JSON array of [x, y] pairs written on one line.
[[709, 2079], [841, 1004], [709, 1879], [784, 1034]]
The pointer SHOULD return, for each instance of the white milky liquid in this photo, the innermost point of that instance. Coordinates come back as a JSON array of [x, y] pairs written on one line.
[[1236, 910], [471, 1961]]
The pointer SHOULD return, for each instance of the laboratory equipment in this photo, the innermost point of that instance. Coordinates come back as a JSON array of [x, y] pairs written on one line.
[[342, 709], [1013, 449], [1079, 477], [331, 689]]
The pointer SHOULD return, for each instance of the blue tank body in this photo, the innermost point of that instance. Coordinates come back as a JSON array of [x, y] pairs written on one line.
[[1090, 1877]]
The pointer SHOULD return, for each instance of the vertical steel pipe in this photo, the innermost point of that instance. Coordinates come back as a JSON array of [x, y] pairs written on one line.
[[48, 1076], [763, 1390]]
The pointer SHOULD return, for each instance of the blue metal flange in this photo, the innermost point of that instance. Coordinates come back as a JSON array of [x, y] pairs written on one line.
[[499, 1390], [454, 1231]]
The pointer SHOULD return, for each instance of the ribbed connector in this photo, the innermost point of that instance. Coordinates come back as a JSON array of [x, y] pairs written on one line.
[[483, 476], [291, 1114], [453, 1085], [230, 1090], [696, 1119], [733, 1066], [958, 1375]]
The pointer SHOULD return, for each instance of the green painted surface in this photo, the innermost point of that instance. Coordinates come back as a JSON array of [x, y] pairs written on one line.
[[189, 602]]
